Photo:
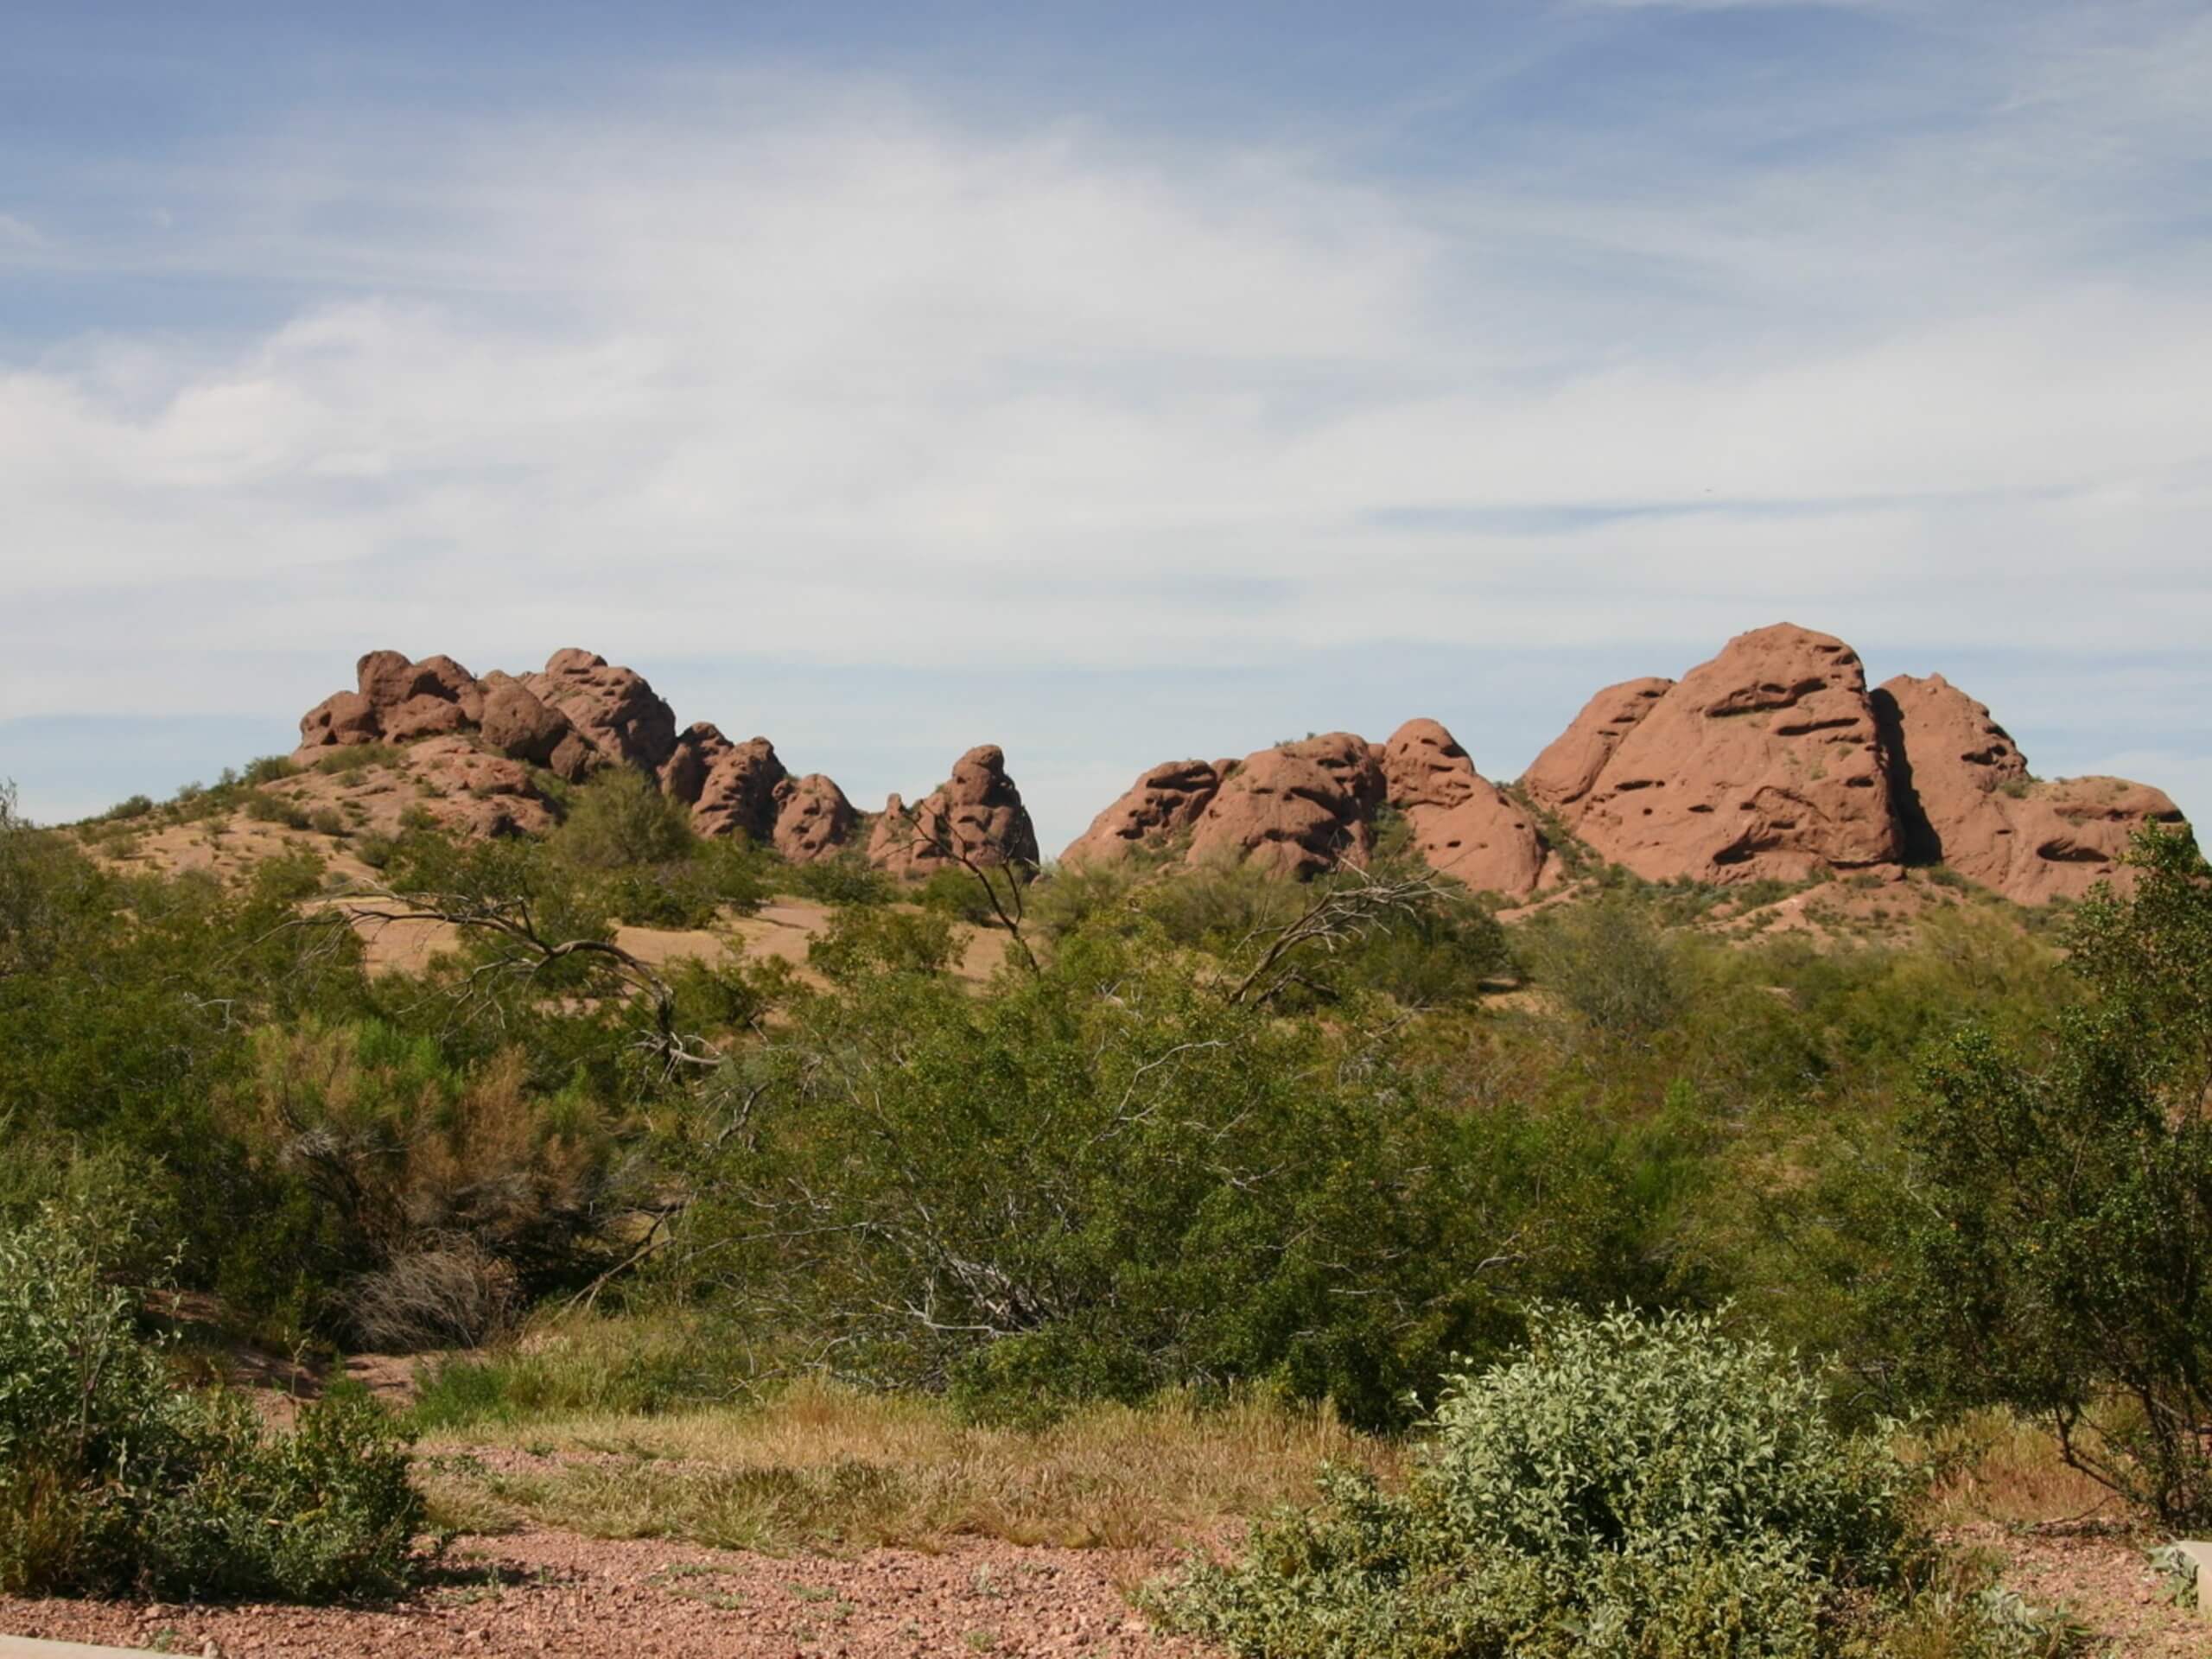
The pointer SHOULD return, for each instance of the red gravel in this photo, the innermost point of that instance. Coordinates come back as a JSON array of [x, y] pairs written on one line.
[[554, 1593]]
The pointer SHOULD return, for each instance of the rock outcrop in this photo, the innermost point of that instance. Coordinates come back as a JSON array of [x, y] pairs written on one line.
[[813, 818], [977, 812], [1966, 799], [613, 709], [1160, 807], [1463, 825], [737, 796], [1296, 809], [1766, 761]]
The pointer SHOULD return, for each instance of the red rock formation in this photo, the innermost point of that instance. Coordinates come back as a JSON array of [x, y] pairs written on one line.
[[1966, 800], [1160, 805], [1463, 825], [523, 728], [613, 709], [1566, 770], [346, 717], [1294, 811], [977, 811], [1765, 762], [813, 818], [684, 775], [739, 795]]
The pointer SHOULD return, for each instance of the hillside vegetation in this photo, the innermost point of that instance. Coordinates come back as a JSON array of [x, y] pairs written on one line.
[[1200, 1137]]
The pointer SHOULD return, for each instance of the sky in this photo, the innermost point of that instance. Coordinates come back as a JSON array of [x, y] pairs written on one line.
[[1115, 384]]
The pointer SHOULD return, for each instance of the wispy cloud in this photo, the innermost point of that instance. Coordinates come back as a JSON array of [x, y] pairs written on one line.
[[822, 373]]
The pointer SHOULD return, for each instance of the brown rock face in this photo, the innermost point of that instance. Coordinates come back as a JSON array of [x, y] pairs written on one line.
[[520, 727], [614, 709], [1765, 762], [384, 678], [1566, 772], [813, 818], [1161, 804], [1294, 811], [346, 717], [739, 795], [977, 811], [478, 793], [684, 775], [1966, 800], [1463, 825]]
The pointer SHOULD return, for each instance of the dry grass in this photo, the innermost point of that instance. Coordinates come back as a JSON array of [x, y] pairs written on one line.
[[1995, 1469], [817, 1466]]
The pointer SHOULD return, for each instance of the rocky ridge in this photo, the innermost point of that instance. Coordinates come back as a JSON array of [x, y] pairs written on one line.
[[1772, 760], [478, 746], [1775, 759]]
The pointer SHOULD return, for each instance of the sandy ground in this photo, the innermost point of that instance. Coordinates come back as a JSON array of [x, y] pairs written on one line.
[[550, 1592]]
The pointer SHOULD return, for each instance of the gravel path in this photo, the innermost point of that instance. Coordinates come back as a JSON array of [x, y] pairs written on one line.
[[554, 1593]]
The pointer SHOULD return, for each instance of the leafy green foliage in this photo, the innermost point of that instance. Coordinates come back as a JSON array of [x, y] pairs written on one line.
[[2058, 1258], [111, 1479], [620, 818], [1630, 1488]]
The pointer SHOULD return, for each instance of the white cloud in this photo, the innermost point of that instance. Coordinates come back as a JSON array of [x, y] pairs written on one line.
[[841, 381]]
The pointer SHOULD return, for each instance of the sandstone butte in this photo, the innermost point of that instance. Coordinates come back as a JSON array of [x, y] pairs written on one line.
[[1774, 760], [476, 743]]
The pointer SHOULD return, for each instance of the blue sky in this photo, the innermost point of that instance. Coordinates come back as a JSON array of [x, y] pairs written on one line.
[[1111, 383]]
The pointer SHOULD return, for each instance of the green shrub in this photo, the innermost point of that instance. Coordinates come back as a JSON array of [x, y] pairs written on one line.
[[269, 769], [2057, 1257], [264, 808], [328, 821], [112, 1480], [1631, 1489], [356, 757], [860, 943], [619, 819], [134, 806], [842, 880]]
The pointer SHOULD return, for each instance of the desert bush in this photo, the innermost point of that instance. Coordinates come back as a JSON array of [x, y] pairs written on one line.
[[1613, 966], [846, 880], [112, 1480], [269, 769], [1631, 1489], [264, 808], [356, 757], [860, 942], [2058, 1257], [134, 806], [328, 821], [1109, 1177], [447, 1293], [620, 818]]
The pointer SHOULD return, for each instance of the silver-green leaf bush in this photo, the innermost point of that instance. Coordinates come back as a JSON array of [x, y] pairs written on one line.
[[1631, 1489], [113, 1479]]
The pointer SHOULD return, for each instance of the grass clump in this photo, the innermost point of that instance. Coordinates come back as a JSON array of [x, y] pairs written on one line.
[[1631, 1489], [112, 1480]]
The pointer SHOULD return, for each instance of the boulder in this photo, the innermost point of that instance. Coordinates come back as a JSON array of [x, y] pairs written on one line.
[[423, 716], [347, 717], [384, 677], [1966, 800], [519, 726], [447, 681], [1568, 769], [977, 811], [1296, 809], [684, 775], [1766, 761], [738, 796], [1463, 825], [813, 818], [613, 709], [475, 792], [1160, 805]]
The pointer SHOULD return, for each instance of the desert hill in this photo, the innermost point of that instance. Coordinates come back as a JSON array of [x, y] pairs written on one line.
[[1774, 761]]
